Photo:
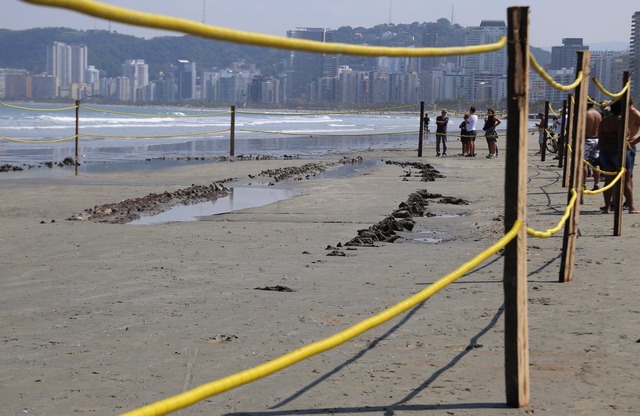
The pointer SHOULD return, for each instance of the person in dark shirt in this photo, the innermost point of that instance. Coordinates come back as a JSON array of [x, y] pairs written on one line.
[[441, 132], [491, 121], [608, 133]]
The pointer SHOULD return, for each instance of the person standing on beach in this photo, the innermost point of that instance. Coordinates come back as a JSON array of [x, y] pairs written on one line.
[[542, 126], [608, 131], [490, 124], [441, 132], [591, 151], [426, 122], [558, 121], [634, 138], [472, 122], [464, 138]]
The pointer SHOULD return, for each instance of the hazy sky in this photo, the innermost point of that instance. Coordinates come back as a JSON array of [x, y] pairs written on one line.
[[550, 20]]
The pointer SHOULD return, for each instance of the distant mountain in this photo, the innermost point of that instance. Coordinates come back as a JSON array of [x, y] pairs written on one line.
[[26, 49]]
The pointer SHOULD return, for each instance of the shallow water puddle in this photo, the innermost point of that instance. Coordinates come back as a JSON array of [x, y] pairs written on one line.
[[448, 215], [348, 169], [428, 240], [422, 239], [238, 199]]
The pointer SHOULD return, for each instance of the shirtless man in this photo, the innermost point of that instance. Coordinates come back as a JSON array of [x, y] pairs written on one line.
[[609, 159], [634, 137], [591, 151]]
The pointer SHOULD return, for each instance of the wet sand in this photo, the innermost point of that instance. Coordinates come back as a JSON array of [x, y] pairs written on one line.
[[104, 318]]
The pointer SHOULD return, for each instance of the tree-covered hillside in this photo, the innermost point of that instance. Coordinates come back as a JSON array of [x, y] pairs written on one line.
[[26, 49]]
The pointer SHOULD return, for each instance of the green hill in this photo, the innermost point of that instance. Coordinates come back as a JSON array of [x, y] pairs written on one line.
[[26, 49]]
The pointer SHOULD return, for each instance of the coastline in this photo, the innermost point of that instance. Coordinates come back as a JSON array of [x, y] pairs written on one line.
[[105, 318]]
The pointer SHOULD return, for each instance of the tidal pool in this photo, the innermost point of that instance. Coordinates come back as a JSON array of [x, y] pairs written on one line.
[[239, 198]]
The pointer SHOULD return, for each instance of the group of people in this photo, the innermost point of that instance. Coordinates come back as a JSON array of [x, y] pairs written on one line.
[[601, 149], [600, 143], [608, 129], [468, 133]]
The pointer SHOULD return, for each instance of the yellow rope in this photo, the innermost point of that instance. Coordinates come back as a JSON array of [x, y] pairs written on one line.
[[133, 17], [38, 109], [558, 227], [551, 81], [606, 188], [64, 139], [235, 380], [610, 94], [604, 172], [602, 103]]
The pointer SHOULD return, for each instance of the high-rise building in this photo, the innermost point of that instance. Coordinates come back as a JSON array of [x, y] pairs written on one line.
[[379, 86], [306, 68], [489, 31], [59, 62], [43, 86], [185, 73], [92, 79], [79, 62], [634, 57], [608, 68], [263, 89], [15, 83], [347, 85], [67, 63], [123, 88], [138, 73], [166, 88], [566, 56], [429, 91], [486, 73], [430, 40]]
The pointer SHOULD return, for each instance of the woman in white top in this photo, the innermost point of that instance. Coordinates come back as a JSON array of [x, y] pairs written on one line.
[[472, 121]]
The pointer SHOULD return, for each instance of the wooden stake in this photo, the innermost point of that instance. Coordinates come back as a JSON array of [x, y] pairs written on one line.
[[561, 139], [421, 133], [577, 168], [76, 162], [232, 133], [567, 141], [622, 154], [516, 332], [543, 153]]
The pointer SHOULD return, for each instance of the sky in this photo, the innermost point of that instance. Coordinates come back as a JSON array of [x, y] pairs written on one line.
[[549, 20]]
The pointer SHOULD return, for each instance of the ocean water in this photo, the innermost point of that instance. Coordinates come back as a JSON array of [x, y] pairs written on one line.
[[123, 134]]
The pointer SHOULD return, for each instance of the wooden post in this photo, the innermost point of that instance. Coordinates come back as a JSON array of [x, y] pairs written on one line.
[[77, 134], [543, 153], [575, 181], [561, 139], [516, 336], [567, 140], [618, 189], [421, 134], [232, 133]]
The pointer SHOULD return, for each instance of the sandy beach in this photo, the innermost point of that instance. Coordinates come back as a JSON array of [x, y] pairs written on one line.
[[102, 318]]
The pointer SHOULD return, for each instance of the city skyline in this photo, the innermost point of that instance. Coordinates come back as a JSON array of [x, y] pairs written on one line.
[[312, 77], [550, 21]]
